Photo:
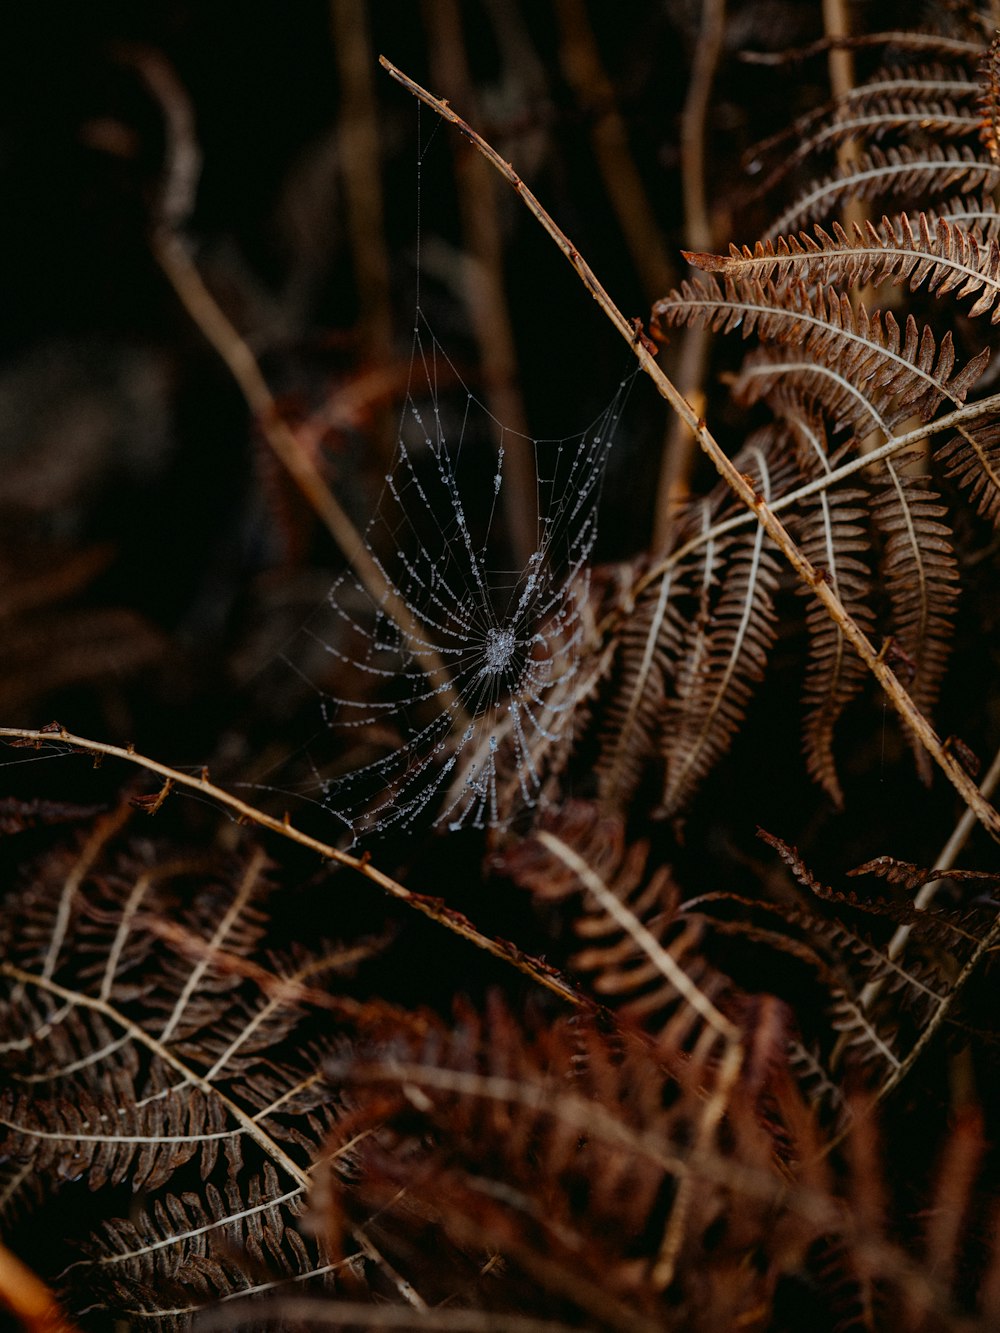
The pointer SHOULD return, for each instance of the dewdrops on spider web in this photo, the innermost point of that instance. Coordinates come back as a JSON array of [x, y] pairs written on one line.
[[463, 671]]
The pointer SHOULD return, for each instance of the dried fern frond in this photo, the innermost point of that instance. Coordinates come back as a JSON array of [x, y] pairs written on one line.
[[562, 1149], [165, 1263], [638, 954], [902, 174], [724, 652], [944, 257], [148, 1040], [646, 663], [872, 116], [862, 370], [839, 962], [968, 211], [919, 84], [891, 1007], [910, 876], [103, 1137], [972, 459], [907, 366], [920, 576], [834, 536], [989, 100]]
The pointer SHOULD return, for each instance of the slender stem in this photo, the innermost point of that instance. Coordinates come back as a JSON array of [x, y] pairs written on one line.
[[206, 312], [580, 58], [181, 169], [742, 486], [839, 56], [360, 168], [429, 907], [840, 61]]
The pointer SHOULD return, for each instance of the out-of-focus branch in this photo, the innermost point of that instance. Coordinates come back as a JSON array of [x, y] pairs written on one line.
[[201, 305], [360, 165], [840, 61], [28, 1299], [181, 170], [484, 287], [840, 58], [595, 93], [680, 447], [179, 183], [581, 63]]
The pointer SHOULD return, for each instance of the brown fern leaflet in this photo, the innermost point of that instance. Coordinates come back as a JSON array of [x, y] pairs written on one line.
[[138, 1022]]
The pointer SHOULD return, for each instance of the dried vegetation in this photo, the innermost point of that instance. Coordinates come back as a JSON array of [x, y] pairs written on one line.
[[630, 1062]]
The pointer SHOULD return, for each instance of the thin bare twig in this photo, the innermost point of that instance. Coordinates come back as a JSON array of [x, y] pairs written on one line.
[[808, 574], [429, 907]]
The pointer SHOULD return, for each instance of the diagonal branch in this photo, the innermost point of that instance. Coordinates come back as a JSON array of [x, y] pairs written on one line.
[[246, 813], [809, 575]]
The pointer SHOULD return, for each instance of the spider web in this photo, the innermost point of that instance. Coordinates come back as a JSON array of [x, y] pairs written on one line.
[[449, 674]]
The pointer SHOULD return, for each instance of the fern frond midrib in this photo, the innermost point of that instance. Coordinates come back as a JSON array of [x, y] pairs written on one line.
[[248, 1124], [875, 166], [754, 303], [877, 259]]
